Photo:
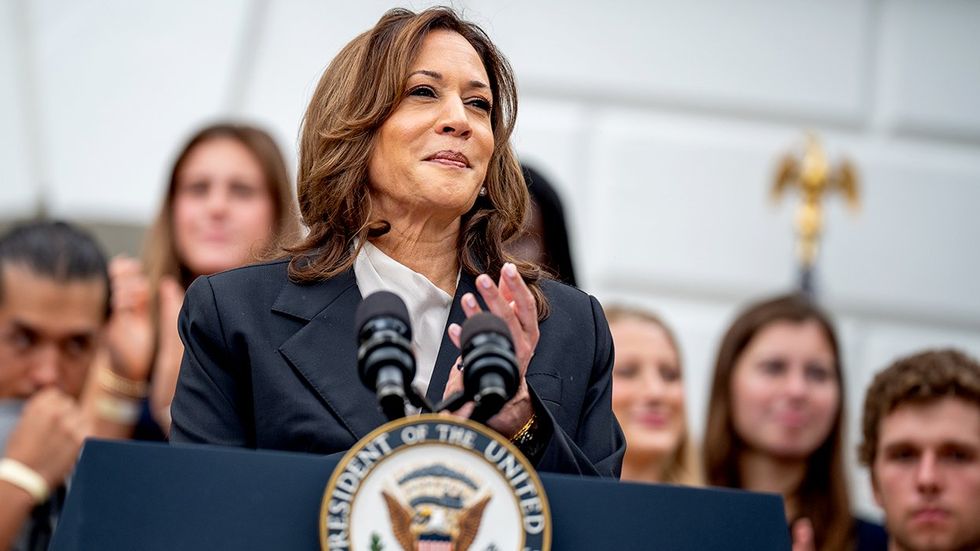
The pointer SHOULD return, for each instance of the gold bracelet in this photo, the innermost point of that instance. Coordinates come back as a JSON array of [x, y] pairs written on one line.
[[118, 410], [25, 478], [522, 435], [113, 382]]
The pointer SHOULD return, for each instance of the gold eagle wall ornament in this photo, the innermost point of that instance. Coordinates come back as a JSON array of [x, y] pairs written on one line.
[[815, 178]]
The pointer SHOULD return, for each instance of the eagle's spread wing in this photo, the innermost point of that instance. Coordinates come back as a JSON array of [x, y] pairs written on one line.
[[401, 522], [846, 181], [786, 174], [469, 524]]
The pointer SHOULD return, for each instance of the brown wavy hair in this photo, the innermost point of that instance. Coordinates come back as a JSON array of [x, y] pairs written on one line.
[[358, 91], [160, 250], [822, 495], [684, 466], [922, 378]]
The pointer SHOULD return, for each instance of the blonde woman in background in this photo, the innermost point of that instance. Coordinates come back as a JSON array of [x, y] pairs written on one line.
[[648, 400]]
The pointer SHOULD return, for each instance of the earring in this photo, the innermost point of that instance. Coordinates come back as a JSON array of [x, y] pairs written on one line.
[[483, 191]]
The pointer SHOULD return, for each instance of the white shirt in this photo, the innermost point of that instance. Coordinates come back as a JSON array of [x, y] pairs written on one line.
[[428, 305]]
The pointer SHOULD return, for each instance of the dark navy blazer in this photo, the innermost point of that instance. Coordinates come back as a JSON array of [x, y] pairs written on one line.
[[271, 364]]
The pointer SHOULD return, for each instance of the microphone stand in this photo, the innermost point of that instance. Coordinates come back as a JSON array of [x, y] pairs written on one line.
[[484, 410], [418, 400]]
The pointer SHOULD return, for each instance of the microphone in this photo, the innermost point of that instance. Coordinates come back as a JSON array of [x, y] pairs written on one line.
[[385, 362], [490, 374]]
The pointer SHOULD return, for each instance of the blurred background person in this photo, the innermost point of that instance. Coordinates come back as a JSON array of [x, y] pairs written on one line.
[[776, 417], [228, 202], [921, 430], [544, 239], [648, 399], [54, 300]]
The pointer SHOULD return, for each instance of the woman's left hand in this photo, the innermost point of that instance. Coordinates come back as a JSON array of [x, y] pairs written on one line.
[[512, 301], [129, 331], [170, 351]]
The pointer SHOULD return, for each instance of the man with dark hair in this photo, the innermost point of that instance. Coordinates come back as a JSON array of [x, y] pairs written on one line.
[[922, 443], [54, 301]]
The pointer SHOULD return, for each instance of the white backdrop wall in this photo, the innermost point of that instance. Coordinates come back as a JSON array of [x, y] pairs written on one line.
[[659, 121]]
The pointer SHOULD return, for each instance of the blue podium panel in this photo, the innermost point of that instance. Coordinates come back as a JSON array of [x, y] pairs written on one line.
[[596, 514], [134, 495], [140, 496]]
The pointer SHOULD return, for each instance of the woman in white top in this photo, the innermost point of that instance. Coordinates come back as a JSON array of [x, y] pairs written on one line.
[[406, 182]]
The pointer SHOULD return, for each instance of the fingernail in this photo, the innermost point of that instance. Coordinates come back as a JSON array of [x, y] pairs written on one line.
[[485, 281], [469, 300], [510, 270], [454, 329]]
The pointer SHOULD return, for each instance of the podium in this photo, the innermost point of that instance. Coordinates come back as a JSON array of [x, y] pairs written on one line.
[[131, 495]]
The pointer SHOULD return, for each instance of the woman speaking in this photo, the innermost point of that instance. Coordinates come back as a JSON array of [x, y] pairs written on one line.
[[407, 182]]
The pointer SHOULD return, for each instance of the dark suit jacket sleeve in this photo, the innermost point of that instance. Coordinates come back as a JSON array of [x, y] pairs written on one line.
[[210, 403], [599, 446]]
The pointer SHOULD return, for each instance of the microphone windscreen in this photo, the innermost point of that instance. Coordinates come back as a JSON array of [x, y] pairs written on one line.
[[484, 322], [382, 303]]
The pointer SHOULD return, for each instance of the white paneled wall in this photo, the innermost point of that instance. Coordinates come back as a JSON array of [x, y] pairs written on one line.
[[659, 121], [120, 84], [760, 55], [930, 70], [19, 188]]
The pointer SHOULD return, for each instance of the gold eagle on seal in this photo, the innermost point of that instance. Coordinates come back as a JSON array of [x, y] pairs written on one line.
[[413, 527]]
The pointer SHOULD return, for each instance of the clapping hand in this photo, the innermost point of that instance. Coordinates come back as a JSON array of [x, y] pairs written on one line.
[[511, 300]]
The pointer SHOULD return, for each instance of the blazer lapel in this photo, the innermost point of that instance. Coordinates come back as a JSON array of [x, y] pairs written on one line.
[[448, 351], [324, 351]]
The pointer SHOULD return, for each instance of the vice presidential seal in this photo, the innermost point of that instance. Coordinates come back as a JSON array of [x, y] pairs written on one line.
[[434, 483]]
